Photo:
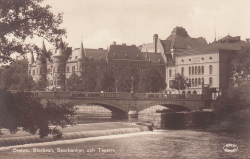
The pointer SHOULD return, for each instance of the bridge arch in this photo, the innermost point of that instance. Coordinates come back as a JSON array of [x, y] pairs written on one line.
[[177, 105]]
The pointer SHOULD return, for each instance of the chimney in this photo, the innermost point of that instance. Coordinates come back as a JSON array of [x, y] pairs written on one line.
[[114, 43], [248, 40], [155, 41]]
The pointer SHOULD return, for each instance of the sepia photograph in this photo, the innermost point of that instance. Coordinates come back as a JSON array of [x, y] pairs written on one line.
[[124, 79]]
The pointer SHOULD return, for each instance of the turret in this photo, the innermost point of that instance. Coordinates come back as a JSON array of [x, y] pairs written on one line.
[[81, 59], [31, 58]]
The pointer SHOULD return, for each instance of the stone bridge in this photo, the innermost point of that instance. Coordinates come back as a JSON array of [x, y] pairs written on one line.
[[127, 104]]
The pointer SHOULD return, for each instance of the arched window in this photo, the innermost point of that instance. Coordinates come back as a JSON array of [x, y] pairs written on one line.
[[182, 70], [189, 70], [170, 73], [202, 81], [189, 92], [196, 70], [199, 81], [194, 92], [192, 82], [202, 69], [210, 81], [195, 82], [170, 83], [189, 82], [199, 70], [210, 69], [192, 70], [183, 92]]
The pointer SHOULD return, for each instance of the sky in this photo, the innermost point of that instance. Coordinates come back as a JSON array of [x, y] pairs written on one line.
[[134, 22]]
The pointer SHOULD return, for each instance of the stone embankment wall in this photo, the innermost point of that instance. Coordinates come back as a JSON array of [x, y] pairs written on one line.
[[178, 120]]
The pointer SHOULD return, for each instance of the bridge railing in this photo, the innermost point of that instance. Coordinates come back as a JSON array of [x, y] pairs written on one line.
[[44, 94]]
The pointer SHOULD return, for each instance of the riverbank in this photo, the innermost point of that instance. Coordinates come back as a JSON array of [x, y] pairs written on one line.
[[73, 132]]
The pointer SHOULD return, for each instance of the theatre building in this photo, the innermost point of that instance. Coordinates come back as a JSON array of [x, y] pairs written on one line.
[[206, 65]]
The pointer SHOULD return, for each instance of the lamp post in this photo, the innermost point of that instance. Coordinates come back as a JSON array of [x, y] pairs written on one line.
[[116, 82], [132, 86]]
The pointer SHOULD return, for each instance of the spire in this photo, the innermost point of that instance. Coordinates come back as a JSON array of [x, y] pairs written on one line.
[[82, 52], [31, 59], [43, 47]]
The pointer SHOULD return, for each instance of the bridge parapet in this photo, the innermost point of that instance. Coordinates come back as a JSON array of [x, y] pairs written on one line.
[[119, 95]]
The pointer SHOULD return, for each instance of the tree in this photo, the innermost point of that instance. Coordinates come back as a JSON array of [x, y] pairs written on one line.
[[15, 76], [22, 19], [24, 111], [234, 103], [151, 80], [106, 81], [179, 82], [74, 83], [124, 79]]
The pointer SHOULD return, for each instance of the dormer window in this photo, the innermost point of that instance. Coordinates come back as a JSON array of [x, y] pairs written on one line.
[[189, 59], [182, 60], [210, 58]]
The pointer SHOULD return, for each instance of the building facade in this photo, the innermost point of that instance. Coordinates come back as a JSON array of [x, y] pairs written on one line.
[[200, 63]]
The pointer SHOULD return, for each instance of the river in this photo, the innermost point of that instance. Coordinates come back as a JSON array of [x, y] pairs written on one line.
[[145, 145]]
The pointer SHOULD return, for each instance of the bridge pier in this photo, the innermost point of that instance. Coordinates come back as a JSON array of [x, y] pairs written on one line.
[[132, 113]]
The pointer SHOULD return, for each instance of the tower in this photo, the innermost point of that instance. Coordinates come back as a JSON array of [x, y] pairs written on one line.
[[41, 64], [59, 64]]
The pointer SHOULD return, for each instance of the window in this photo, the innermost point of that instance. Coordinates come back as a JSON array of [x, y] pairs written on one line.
[[196, 70], [192, 70], [192, 82], [120, 68], [202, 81], [34, 72], [202, 69], [182, 70], [189, 70], [210, 69], [195, 82], [199, 70], [199, 81], [68, 69], [189, 82], [73, 68], [112, 68], [210, 81], [170, 73]]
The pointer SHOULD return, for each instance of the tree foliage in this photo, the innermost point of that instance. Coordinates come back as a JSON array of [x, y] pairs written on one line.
[[151, 80], [23, 111], [15, 77], [179, 82], [234, 103], [23, 19]]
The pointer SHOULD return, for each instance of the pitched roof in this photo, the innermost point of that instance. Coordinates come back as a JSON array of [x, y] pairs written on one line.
[[180, 39], [212, 48], [229, 38], [124, 52], [155, 58], [166, 44], [91, 54]]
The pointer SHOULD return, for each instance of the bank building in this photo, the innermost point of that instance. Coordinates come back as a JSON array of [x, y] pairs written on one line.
[[201, 63]]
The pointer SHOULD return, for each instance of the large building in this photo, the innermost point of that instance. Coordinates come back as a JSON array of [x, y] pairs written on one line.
[[199, 62]]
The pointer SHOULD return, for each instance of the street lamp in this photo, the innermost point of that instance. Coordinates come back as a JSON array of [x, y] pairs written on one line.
[[116, 81], [132, 87]]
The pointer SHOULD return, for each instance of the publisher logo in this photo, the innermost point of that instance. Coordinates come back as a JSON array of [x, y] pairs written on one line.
[[230, 148]]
